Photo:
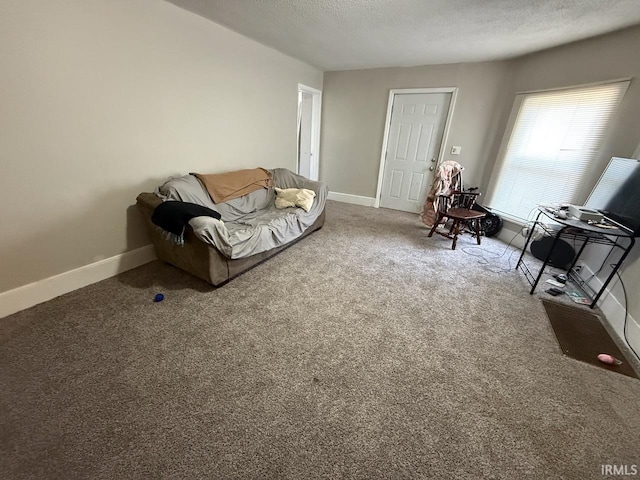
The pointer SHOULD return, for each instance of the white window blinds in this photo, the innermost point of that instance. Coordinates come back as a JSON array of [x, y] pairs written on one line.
[[554, 139]]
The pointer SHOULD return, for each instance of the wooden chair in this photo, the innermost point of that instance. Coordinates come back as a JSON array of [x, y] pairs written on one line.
[[458, 207]]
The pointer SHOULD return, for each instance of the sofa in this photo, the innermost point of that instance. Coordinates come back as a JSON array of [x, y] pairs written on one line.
[[251, 229]]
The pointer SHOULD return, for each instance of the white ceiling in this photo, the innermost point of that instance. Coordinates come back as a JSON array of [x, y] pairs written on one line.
[[354, 34]]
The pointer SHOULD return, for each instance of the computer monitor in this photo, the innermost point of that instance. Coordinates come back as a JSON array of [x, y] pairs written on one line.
[[617, 193]]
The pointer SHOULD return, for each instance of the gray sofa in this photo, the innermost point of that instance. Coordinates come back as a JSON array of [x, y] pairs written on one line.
[[252, 229]]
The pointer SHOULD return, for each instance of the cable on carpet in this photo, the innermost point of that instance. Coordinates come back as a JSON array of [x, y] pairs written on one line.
[[593, 275], [626, 316], [483, 260]]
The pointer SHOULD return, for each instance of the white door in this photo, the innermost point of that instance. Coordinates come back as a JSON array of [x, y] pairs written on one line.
[[413, 146], [305, 110], [308, 132]]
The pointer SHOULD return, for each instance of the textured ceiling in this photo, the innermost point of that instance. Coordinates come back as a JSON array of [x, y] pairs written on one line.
[[353, 34]]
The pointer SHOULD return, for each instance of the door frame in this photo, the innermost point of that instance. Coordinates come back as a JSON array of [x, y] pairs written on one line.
[[387, 126], [316, 107]]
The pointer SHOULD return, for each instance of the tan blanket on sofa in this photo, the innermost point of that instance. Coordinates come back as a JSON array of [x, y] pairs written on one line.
[[227, 186]]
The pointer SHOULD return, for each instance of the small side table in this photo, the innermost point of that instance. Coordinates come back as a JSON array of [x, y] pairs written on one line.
[[575, 231]]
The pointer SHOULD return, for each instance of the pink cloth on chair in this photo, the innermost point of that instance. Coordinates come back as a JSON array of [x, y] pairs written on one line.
[[448, 178]]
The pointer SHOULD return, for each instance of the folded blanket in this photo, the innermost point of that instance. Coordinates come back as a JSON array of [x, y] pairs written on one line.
[[172, 217], [227, 186]]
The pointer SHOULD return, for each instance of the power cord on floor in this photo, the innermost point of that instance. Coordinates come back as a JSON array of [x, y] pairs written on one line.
[[593, 275], [486, 261], [626, 318]]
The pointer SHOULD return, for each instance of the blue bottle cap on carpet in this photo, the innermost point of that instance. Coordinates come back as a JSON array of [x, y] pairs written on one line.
[[158, 298]]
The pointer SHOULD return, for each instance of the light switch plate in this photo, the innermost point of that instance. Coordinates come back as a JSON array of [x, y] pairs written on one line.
[[455, 150]]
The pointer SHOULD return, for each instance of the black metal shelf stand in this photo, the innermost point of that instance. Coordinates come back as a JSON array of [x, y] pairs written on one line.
[[576, 231]]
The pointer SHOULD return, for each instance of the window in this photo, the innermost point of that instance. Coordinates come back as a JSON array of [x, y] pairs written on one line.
[[554, 139]]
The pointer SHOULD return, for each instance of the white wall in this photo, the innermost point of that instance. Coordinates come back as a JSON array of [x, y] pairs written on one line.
[[102, 99], [355, 107]]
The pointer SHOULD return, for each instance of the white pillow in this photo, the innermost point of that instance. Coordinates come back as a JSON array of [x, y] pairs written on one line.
[[294, 197]]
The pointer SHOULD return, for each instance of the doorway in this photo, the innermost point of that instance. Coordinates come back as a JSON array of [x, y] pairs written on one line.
[[308, 131], [416, 129]]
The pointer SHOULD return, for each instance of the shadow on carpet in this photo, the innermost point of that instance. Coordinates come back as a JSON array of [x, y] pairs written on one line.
[[581, 336]]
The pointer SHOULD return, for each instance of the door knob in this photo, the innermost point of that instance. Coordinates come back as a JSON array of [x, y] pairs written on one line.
[[431, 168], [433, 160]]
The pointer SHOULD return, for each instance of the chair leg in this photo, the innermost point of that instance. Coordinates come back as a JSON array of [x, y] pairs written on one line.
[[435, 225], [477, 222], [456, 230]]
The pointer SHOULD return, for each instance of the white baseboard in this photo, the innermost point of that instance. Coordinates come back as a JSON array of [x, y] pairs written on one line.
[[355, 199], [614, 315], [32, 294], [614, 312], [510, 233]]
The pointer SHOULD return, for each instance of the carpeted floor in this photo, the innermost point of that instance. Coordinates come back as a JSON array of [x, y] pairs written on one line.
[[365, 351]]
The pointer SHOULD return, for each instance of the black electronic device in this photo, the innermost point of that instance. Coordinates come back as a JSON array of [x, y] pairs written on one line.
[[617, 193], [554, 291], [561, 256], [561, 277]]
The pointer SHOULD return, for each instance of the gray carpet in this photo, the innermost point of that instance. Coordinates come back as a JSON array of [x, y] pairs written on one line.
[[365, 351]]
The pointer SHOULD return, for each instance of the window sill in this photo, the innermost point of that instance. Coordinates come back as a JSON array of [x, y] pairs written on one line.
[[511, 219]]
